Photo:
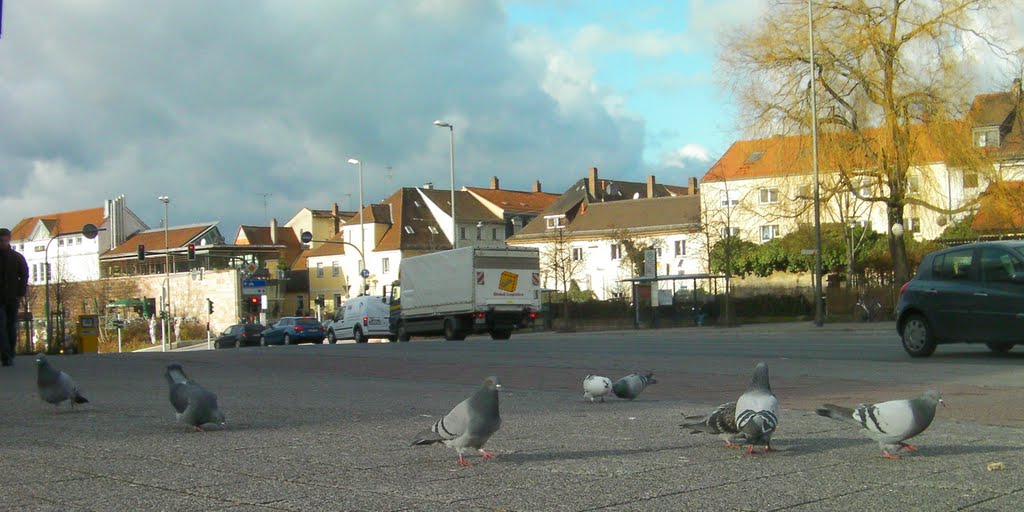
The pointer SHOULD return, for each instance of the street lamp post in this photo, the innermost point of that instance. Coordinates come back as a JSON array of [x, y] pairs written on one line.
[[451, 140], [362, 227], [819, 306], [46, 304], [167, 276]]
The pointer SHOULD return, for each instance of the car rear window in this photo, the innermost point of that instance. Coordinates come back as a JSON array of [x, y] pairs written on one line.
[[307, 321], [953, 265], [253, 328]]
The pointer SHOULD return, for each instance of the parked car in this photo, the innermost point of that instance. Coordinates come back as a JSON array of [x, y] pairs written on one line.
[[239, 335], [361, 318], [291, 330], [971, 293]]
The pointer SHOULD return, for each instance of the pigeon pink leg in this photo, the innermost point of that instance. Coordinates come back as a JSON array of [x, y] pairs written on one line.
[[487, 455], [463, 461]]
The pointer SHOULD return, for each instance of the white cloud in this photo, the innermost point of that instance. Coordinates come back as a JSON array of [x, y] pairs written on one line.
[[686, 157], [648, 43]]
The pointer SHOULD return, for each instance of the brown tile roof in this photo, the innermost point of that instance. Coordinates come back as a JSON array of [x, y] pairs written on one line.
[[1001, 208], [1006, 110], [410, 210], [467, 207], [260, 235], [676, 213], [300, 262], [515, 201], [327, 249], [153, 239], [63, 222]]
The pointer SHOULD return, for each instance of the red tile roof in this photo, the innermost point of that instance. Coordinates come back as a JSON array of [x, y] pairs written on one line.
[[515, 201], [1001, 208], [153, 239], [63, 222]]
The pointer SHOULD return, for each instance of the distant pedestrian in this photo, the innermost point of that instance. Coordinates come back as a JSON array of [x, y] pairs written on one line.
[[177, 329], [152, 329], [13, 286]]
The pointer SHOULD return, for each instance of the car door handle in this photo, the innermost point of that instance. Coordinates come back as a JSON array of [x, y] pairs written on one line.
[[980, 294], [931, 290], [1020, 316]]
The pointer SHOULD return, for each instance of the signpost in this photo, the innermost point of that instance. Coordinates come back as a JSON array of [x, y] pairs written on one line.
[[254, 286]]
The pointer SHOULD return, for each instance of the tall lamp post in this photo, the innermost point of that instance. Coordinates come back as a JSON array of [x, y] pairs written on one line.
[[89, 231], [451, 139], [819, 306], [167, 275], [362, 226]]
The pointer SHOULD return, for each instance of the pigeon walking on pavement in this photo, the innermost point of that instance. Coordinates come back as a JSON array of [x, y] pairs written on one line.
[[595, 386], [889, 423], [469, 425], [56, 386], [630, 386], [193, 404], [757, 412], [721, 421]]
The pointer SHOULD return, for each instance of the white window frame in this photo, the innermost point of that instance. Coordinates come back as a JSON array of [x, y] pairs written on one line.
[[729, 231], [385, 264], [616, 251], [335, 269], [771, 230], [319, 269], [680, 247], [768, 195], [577, 253], [728, 201], [555, 221]]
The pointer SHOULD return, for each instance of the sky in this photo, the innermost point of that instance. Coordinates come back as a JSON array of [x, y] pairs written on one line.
[[217, 104]]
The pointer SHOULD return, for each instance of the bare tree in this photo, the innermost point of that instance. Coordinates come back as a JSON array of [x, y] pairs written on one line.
[[559, 261], [894, 77]]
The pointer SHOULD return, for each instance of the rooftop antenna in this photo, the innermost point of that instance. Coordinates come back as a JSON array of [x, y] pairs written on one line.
[[266, 218], [390, 176]]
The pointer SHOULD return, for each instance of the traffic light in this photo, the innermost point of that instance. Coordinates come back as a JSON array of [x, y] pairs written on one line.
[[209, 306], [254, 303], [142, 252], [191, 252]]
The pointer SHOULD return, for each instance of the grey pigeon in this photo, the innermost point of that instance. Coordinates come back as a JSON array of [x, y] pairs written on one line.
[[889, 423], [630, 386], [469, 425], [595, 386], [193, 404], [757, 412], [56, 386], [721, 421]]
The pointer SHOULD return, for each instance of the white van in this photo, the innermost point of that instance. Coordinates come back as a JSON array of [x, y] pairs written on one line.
[[361, 318]]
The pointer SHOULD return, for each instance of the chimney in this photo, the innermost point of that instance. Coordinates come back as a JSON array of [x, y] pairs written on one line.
[[691, 188], [650, 186], [495, 183], [592, 182], [335, 218], [428, 185], [536, 186], [273, 231]]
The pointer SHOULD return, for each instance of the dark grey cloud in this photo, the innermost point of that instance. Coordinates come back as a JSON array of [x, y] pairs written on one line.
[[215, 103]]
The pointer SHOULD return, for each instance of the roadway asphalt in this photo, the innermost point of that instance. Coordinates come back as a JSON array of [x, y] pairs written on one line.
[[322, 427]]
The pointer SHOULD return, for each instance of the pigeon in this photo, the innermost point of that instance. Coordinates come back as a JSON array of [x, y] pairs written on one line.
[[56, 386], [757, 412], [469, 425], [721, 421], [595, 386], [889, 423], [193, 404], [630, 386]]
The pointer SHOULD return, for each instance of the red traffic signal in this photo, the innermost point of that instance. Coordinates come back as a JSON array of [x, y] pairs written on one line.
[[254, 299], [191, 252], [142, 252]]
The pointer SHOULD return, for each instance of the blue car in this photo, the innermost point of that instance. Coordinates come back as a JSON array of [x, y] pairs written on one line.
[[292, 330]]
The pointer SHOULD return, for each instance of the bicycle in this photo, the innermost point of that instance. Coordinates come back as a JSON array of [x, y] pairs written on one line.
[[867, 310]]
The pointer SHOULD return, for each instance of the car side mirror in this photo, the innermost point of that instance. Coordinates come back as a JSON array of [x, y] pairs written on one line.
[[1017, 277]]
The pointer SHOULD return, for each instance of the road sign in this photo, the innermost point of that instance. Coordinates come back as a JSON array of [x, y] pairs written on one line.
[[254, 286], [365, 273], [90, 231], [807, 252], [307, 237], [650, 262]]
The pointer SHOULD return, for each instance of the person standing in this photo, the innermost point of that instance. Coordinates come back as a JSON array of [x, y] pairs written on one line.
[[13, 286]]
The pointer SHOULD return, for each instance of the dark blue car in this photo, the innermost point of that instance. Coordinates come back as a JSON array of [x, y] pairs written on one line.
[[971, 293], [292, 330]]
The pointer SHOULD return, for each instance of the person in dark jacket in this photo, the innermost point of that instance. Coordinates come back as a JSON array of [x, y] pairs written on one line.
[[13, 286]]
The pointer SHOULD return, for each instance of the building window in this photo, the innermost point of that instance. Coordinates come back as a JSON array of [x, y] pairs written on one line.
[[769, 232], [616, 251], [432, 229], [479, 233], [337, 301], [577, 253], [60, 241], [680, 247], [970, 180], [555, 221], [494, 233], [913, 185], [769, 195], [385, 264], [730, 231], [912, 225], [462, 233], [78, 240], [335, 269], [986, 137], [409, 230], [728, 201], [320, 269]]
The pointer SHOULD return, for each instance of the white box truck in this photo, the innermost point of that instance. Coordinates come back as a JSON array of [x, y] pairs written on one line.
[[471, 290]]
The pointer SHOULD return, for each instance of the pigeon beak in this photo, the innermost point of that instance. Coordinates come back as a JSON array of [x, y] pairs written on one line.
[[942, 403], [497, 386]]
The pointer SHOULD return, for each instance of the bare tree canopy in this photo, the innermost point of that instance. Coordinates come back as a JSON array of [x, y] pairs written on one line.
[[893, 78]]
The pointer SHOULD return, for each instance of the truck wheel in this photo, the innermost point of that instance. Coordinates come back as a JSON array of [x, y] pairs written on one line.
[[501, 334], [999, 348], [331, 338], [451, 333], [357, 334], [403, 333]]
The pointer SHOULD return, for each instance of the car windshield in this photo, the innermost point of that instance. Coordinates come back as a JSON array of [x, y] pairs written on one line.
[[307, 321]]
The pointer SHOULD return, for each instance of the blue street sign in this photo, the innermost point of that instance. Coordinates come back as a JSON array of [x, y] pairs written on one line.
[[365, 273], [254, 283]]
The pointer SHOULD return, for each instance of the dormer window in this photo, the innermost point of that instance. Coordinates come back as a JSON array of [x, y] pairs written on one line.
[[985, 137], [755, 156], [555, 221], [433, 230]]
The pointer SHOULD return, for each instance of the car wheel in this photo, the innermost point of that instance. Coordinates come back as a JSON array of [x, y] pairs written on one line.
[[999, 348], [238, 343], [263, 341], [331, 338], [451, 333], [917, 336], [403, 333], [501, 334], [287, 339], [392, 339], [357, 335]]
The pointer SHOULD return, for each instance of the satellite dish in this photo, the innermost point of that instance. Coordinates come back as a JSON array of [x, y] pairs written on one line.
[[307, 237], [89, 231]]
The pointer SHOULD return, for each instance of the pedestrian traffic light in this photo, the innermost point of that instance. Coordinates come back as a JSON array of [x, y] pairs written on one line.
[[254, 303], [191, 252], [209, 306], [142, 252]]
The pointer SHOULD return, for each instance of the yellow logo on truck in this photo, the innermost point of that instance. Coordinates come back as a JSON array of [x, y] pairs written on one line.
[[508, 281]]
